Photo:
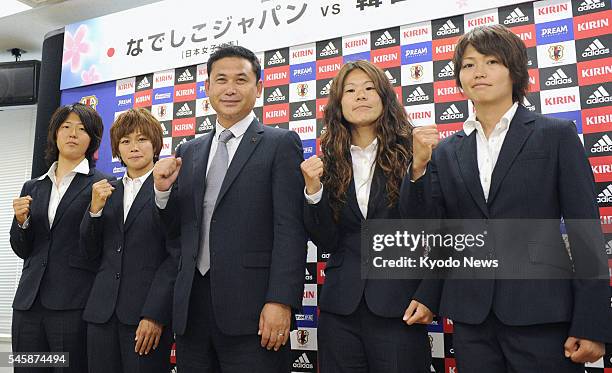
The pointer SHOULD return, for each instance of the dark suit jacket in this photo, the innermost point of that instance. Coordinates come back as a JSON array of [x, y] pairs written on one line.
[[344, 287], [257, 238], [542, 173], [54, 268], [138, 265]]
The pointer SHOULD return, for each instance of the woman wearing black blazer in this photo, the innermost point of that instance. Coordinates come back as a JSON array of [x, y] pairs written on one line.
[[56, 277], [366, 152], [129, 310]]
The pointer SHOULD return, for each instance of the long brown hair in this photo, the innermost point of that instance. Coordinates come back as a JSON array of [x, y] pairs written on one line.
[[393, 131]]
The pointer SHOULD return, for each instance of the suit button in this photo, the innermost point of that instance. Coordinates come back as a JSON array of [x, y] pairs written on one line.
[[119, 248], [214, 221], [117, 275], [44, 264], [194, 256]]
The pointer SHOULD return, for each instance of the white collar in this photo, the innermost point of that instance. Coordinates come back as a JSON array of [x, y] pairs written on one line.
[[472, 123], [142, 178], [237, 129], [370, 148], [81, 168]]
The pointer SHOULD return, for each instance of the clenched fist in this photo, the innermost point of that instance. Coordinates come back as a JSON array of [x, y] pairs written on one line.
[[100, 191], [424, 141], [312, 169], [165, 173], [21, 206]]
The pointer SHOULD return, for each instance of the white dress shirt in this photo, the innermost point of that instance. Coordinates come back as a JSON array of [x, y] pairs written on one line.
[[238, 130], [131, 187], [58, 191], [487, 149], [363, 161]]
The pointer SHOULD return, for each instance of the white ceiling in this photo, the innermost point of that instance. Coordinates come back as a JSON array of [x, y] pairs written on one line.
[[27, 30]]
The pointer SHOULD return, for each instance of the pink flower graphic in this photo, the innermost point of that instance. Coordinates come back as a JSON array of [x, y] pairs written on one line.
[[90, 76], [74, 46]]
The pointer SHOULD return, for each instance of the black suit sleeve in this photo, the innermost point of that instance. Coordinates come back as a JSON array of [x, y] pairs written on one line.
[[91, 235], [286, 282], [592, 315], [170, 216], [22, 240], [320, 224]]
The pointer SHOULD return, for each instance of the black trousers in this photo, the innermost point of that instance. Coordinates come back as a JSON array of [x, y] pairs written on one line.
[[497, 348], [204, 348], [363, 342], [43, 330], [110, 348]]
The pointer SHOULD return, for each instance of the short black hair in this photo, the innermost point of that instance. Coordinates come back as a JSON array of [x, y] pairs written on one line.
[[228, 50], [498, 41], [91, 121]]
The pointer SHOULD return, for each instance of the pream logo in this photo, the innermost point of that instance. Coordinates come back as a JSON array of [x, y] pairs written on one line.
[[452, 113]]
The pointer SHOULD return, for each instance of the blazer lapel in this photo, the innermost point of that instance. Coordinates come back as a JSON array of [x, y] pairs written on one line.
[[79, 183], [40, 203], [351, 197], [250, 141], [144, 195], [117, 202], [468, 166], [200, 163], [377, 192], [518, 132]]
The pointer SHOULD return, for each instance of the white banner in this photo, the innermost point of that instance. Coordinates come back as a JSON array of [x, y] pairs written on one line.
[[175, 33]]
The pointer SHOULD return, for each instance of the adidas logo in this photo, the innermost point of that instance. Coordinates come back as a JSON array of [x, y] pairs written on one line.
[[276, 59], [205, 126], [451, 113], [609, 247], [326, 89], [302, 362], [590, 5], [528, 104], [606, 195], [144, 84], [417, 95], [391, 78], [557, 78], [329, 50], [596, 48], [603, 145], [185, 76], [600, 96], [516, 16], [184, 111], [307, 275], [184, 140], [164, 129], [302, 111], [276, 95], [448, 28], [385, 39], [448, 70]]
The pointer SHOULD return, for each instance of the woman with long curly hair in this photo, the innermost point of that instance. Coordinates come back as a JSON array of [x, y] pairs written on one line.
[[366, 154]]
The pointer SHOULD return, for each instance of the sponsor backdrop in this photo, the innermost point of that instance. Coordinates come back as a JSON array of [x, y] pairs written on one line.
[[570, 72]]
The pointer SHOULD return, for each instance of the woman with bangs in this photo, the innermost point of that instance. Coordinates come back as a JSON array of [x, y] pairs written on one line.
[[364, 325], [130, 306]]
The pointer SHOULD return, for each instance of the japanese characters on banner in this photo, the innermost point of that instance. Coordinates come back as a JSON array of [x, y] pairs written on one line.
[[185, 32], [570, 71]]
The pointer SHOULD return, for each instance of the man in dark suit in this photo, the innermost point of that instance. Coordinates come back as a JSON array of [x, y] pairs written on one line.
[[508, 163], [237, 205]]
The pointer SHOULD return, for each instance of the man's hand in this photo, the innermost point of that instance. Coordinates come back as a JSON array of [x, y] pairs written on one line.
[[165, 173], [147, 335], [274, 323], [21, 206], [583, 350], [417, 313]]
